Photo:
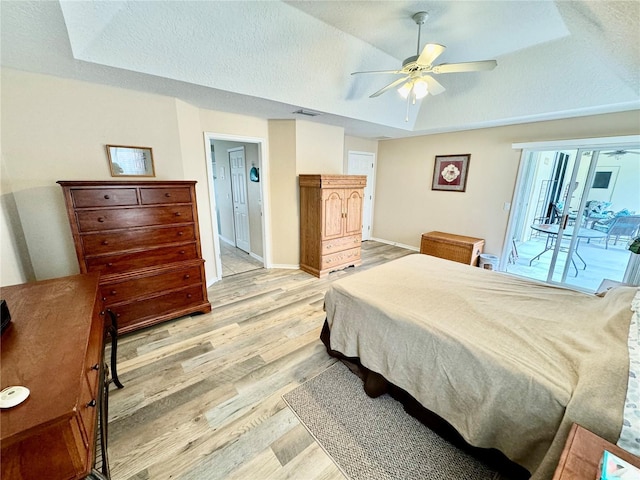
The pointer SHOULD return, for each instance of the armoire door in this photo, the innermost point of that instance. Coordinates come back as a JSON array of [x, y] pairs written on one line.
[[353, 203], [332, 213]]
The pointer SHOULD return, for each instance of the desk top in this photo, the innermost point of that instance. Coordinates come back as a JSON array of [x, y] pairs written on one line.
[[44, 349], [582, 454], [553, 228]]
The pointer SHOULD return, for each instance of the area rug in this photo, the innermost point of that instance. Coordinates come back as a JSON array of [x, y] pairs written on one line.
[[374, 438]]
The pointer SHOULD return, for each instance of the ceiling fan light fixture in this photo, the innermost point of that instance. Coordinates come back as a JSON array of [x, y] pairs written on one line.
[[420, 88], [405, 89]]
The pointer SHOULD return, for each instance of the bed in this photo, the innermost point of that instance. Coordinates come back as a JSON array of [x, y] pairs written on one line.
[[509, 363]]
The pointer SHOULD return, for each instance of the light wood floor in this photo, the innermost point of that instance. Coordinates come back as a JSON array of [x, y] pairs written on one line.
[[203, 394]]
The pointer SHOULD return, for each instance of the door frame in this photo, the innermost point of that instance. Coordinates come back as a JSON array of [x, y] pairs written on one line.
[[373, 188], [263, 160]]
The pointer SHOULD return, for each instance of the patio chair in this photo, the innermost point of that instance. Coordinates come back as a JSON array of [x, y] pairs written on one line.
[[622, 226]]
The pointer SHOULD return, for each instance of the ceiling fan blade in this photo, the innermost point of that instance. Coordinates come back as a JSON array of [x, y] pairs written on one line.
[[465, 67], [430, 52], [380, 71], [433, 85], [390, 86]]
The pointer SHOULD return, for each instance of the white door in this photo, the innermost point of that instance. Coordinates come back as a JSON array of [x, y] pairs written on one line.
[[363, 163], [239, 194]]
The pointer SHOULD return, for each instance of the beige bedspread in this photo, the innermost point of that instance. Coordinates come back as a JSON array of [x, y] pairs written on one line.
[[510, 363]]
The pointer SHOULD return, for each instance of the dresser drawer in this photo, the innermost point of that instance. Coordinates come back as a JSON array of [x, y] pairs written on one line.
[[118, 292], [135, 312], [150, 196], [111, 219], [104, 197], [339, 244], [340, 258], [126, 262], [88, 409], [95, 348], [107, 242]]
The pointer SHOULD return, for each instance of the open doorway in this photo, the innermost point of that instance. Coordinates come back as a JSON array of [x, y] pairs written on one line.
[[236, 176]]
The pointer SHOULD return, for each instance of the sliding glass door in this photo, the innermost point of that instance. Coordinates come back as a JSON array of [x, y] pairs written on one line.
[[575, 214]]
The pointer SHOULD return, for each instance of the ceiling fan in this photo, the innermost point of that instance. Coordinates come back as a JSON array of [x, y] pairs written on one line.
[[415, 82], [619, 153]]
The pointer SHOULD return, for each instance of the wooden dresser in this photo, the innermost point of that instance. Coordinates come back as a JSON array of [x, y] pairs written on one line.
[[457, 248], [143, 238], [54, 347], [330, 222]]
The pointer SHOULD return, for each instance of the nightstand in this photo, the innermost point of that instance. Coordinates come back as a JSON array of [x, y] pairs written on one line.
[[582, 453]]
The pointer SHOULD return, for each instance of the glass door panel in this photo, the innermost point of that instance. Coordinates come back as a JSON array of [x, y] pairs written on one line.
[[564, 230], [566, 261]]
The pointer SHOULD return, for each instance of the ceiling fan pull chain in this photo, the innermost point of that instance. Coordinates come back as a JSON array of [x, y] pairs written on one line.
[[406, 117]]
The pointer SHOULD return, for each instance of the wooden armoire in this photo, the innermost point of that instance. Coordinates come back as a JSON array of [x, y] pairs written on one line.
[[330, 222], [143, 238]]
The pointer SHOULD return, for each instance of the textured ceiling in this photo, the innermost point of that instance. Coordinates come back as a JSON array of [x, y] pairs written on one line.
[[269, 58]]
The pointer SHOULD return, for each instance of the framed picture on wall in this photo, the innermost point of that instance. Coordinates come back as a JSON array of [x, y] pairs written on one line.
[[450, 172], [127, 161]]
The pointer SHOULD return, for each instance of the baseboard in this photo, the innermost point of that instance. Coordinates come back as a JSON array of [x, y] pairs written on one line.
[[395, 244], [256, 257], [285, 266]]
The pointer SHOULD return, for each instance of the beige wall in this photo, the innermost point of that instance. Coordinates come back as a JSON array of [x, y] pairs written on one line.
[[193, 164], [283, 185], [15, 265], [319, 148], [55, 129], [406, 206]]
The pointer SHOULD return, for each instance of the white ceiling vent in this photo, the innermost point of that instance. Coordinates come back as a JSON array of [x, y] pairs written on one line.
[[308, 113]]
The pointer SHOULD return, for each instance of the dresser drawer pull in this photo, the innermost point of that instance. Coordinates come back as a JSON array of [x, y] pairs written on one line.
[[109, 264], [95, 367], [92, 403], [187, 276], [177, 214], [113, 292], [101, 219], [107, 197], [180, 234], [329, 247], [167, 195], [105, 242], [181, 252], [189, 295]]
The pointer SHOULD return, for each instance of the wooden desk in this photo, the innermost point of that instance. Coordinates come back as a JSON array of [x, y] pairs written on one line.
[[582, 454], [54, 347]]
